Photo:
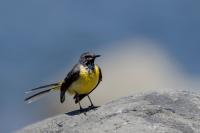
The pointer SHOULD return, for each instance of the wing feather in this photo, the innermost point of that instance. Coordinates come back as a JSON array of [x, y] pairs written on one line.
[[70, 78]]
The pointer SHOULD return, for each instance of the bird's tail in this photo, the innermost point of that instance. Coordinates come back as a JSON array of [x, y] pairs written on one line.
[[42, 90]]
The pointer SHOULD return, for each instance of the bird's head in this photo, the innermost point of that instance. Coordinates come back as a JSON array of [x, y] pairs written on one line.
[[88, 58]]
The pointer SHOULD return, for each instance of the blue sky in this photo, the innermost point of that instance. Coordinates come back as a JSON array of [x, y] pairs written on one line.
[[41, 39]]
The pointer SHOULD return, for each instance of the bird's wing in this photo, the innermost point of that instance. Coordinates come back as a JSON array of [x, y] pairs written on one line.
[[80, 97], [70, 78]]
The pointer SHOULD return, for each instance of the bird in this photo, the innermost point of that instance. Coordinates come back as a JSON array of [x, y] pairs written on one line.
[[83, 78]]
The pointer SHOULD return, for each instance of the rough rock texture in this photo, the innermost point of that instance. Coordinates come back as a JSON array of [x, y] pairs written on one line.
[[167, 112]]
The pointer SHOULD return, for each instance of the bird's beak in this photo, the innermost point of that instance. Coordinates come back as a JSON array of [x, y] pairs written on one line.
[[97, 56]]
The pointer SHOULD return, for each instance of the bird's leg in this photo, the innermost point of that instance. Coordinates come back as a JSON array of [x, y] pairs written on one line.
[[92, 105], [79, 104], [76, 97]]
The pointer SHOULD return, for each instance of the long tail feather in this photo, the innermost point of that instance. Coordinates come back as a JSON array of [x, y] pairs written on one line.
[[36, 96], [41, 87]]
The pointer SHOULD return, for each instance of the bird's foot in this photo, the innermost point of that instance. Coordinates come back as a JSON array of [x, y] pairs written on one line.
[[81, 109], [92, 107]]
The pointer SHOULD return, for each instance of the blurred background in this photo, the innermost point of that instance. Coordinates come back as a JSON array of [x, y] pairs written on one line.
[[145, 45]]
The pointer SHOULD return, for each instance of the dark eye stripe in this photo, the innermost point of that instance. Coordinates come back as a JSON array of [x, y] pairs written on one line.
[[88, 56]]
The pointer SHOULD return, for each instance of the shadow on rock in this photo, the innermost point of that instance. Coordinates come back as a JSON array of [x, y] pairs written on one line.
[[84, 110]]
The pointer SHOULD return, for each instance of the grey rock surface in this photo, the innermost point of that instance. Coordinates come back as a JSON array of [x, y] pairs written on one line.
[[157, 112]]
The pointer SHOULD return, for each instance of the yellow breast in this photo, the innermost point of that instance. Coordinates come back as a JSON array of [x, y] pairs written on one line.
[[86, 82]]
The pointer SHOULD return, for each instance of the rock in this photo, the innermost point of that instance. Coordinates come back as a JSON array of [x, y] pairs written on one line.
[[157, 112]]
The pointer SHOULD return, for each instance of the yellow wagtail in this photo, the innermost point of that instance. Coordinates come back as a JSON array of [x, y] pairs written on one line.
[[84, 77]]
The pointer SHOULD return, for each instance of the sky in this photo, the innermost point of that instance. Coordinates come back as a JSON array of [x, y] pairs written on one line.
[[150, 44]]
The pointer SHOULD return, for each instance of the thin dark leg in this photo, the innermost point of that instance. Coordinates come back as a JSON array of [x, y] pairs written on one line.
[[92, 105], [81, 109], [79, 104]]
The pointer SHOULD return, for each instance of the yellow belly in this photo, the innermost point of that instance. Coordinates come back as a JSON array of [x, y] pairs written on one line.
[[86, 81]]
